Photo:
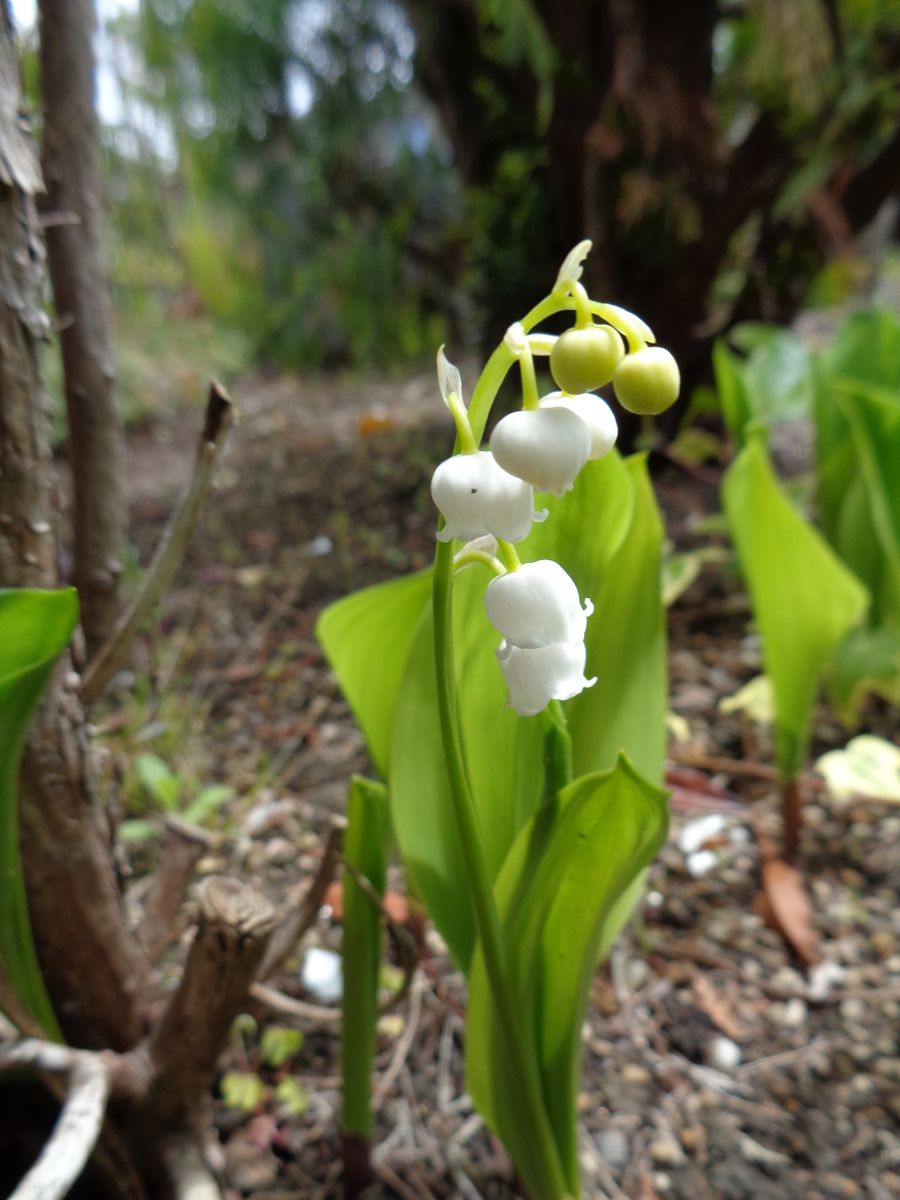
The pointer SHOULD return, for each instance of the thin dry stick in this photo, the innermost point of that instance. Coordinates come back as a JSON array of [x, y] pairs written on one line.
[[287, 1006], [404, 1045], [76, 1131], [184, 846], [289, 933], [169, 552]]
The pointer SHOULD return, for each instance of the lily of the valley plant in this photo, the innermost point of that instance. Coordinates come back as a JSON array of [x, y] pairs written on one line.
[[513, 701]]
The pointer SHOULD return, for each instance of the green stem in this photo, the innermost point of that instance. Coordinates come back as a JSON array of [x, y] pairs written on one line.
[[465, 559], [467, 442], [557, 749], [508, 555], [501, 360], [530, 397], [582, 302], [549, 1178]]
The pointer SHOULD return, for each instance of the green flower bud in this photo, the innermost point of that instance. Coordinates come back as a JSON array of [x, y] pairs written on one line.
[[647, 382], [584, 359]]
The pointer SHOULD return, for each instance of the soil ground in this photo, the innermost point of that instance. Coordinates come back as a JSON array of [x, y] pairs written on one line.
[[716, 1064]]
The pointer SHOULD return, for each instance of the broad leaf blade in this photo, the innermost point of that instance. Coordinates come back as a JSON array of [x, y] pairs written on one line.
[[35, 627], [626, 645], [366, 638], [805, 600], [873, 415], [865, 354], [867, 660], [560, 888]]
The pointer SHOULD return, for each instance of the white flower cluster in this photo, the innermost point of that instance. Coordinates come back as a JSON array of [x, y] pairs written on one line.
[[536, 606]]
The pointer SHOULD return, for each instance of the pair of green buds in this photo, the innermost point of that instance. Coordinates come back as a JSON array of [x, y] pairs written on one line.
[[587, 356]]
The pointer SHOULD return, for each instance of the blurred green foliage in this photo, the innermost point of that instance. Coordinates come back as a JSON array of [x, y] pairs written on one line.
[[320, 211], [850, 392]]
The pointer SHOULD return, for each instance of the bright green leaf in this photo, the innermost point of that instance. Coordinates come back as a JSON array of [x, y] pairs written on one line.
[[873, 415], [867, 660], [626, 644], [139, 830], [241, 1090], [804, 599], [366, 639], [560, 896], [35, 627], [159, 780], [208, 803], [278, 1044], [292, 1096]]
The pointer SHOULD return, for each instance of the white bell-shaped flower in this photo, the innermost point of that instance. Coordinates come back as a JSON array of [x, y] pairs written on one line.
[[478, 497], [536, 605], [595, 413], [546, 447], [535, 677]]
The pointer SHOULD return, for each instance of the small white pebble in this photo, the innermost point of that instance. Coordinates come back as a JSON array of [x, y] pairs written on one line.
[[701, 862], [699, 831], [723, 1054], [321, 975]]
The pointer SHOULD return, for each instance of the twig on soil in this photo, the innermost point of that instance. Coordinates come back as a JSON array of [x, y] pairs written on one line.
[[292, 929], [287, 1006], [169, 552], [598, 1162], [183, 848], [392, 1179], [788, 1057], [80, 1121], [404, 1044], [736, 766]]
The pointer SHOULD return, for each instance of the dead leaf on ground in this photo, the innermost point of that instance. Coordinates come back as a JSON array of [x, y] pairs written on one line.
[[717, 1006], [785, 905], [394, 905]]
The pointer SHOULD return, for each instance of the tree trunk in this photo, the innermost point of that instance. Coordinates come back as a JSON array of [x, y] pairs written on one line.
[[72, 213], [92, 967], [635, 157]]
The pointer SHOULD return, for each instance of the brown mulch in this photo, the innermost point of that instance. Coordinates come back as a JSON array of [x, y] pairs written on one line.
[[715, 1064]]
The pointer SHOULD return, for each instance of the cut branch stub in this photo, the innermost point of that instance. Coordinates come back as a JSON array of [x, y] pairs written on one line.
[[235, 925]]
